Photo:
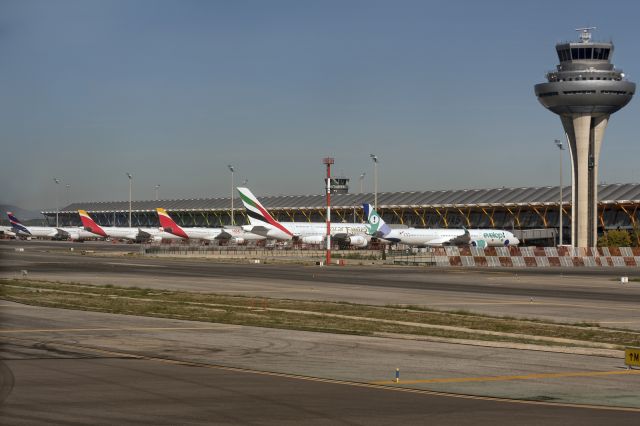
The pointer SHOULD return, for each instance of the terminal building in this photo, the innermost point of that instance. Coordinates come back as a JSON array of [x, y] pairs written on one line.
[[519, 209]]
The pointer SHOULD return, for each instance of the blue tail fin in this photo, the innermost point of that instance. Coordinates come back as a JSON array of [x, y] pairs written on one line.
[[16, 225]]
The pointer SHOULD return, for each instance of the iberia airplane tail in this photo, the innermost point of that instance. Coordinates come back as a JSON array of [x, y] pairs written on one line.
[[169, 225], [90, 225]]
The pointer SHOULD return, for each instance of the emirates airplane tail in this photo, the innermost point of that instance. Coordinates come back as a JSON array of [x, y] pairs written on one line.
[[262, 222]]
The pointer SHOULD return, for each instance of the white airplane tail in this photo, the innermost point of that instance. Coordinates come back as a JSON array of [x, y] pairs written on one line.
[[258, 215]]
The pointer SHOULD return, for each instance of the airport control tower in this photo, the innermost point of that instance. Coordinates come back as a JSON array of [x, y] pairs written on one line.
[[584, 90]]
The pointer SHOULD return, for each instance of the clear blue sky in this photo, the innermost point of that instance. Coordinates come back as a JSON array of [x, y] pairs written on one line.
[[175, 90]]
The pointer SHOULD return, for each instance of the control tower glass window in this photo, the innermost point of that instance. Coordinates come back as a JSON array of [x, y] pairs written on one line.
[[606, 54], [574, 53]]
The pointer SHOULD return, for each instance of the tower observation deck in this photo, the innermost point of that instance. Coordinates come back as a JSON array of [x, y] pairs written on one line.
[[584, 90]]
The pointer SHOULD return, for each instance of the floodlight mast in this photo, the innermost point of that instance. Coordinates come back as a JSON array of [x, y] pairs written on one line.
[[328, 161]]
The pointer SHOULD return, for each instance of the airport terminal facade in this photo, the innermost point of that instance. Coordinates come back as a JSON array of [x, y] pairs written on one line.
[[500, 208]]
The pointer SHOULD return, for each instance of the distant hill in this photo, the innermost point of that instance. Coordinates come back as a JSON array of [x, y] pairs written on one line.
[[22, 214]]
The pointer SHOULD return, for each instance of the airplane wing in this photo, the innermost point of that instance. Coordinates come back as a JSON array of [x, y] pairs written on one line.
[[340, 236], [224, 235], [61, 233], [144, 235], [260, 230]]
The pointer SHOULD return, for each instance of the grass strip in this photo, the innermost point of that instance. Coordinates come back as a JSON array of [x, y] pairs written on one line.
[[304, 315]]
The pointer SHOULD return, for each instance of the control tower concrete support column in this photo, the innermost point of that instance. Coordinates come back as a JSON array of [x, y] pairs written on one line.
[[584, 90], [585, 138]]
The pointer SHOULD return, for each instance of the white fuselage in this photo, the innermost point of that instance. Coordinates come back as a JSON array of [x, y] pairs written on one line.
[[439, 237], [313, 229], [72, 232], [137, 234], [232, 233]]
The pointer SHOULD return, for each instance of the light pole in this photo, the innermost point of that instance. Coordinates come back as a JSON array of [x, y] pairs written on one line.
[[157, 188], [231, 169], [362, 182], [130, 176], [328, 161], [375, 181], [560, 148], [57, 181]]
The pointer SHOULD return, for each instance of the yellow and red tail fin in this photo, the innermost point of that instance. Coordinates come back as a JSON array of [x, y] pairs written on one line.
[[169, 225], [90, 225]]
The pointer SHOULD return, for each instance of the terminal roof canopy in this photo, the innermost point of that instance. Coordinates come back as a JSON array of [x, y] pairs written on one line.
[[463, 198]]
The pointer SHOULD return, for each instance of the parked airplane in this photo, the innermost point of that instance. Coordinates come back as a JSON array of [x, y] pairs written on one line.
[[437, 237], [133, 234], [262, 223], [65, 232], [232, 233], [7, 230]]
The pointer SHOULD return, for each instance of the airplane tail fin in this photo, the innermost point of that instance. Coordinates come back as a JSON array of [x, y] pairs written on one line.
[[169, 225], [17, 225], [376, 225], [257, 213], [90, 225]]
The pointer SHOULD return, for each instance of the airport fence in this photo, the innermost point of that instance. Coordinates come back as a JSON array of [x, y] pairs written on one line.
[[259, 253], [540, 257], [522, 257]]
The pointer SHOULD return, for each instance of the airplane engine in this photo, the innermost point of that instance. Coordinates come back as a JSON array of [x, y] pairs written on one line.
[[358, 241], [479, 243], [314, 239], [238, 240], [74, 236], [156, 238]]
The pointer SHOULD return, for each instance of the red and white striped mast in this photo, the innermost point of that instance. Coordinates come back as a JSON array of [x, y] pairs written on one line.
[[328, 161]]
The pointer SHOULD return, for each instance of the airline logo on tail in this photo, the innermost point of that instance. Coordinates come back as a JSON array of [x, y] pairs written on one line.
[[258, 215], [16, 225], [168, 224], [90, 225], [376, 226]]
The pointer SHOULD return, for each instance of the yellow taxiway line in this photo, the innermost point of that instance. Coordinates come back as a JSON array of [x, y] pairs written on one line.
[[507, 378], [372, 385]]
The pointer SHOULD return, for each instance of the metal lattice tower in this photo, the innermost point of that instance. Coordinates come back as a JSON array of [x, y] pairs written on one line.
[[584, 90]]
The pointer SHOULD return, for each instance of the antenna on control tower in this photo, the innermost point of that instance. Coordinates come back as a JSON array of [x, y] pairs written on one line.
[[585, 34]]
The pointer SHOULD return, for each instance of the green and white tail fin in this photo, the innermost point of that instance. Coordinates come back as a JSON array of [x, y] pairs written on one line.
[[376, 226]]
